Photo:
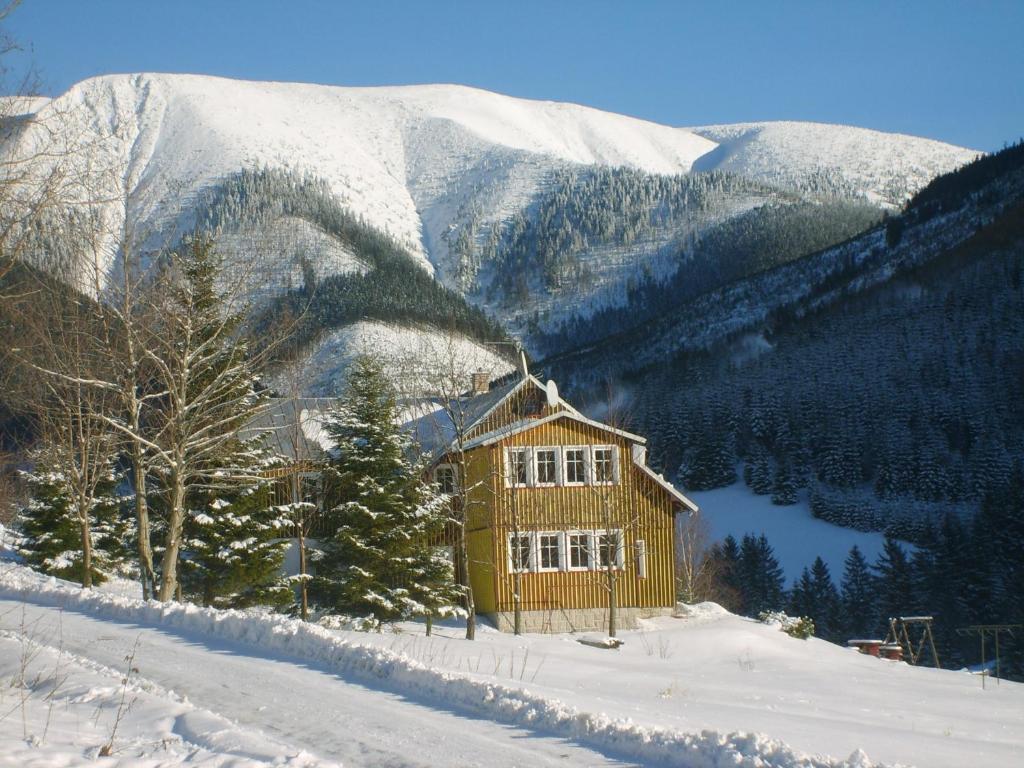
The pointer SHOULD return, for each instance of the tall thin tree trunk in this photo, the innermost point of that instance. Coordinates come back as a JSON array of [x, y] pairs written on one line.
[[142, 523], [517, 602], [612, 601], [464, 582], [83, 523], [175, 523]]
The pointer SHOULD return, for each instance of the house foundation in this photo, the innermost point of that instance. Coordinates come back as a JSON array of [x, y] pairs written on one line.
[[559, 620]]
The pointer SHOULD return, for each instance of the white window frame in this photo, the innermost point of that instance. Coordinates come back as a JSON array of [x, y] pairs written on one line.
[[531, 559], [565, 465], [620, 549], [534, 463], [525, 452], [592, 474], [455, 478], [641, 558], [560, 543], [589, 536]]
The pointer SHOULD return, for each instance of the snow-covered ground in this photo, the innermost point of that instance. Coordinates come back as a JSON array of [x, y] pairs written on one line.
[[796, 536], [708, 689]]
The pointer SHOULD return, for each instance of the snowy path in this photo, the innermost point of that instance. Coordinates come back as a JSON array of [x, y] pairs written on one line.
[[296, 703]]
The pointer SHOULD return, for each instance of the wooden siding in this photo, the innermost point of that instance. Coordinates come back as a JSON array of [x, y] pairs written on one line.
[[528, 402], [636, 505]]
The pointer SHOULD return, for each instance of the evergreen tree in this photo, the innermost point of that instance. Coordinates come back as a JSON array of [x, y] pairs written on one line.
[[859, 617], [784, 485], [235, 542], [757, 473], [896, 593], [727, 565], [52, 527], [760, 576], [379, 561], [823, 601]]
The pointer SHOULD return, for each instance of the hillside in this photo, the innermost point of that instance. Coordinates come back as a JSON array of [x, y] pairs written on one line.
[[882, 374], [539, 213]]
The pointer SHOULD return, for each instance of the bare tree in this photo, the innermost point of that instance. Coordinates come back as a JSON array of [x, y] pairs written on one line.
[[697, 577], [75, 440]]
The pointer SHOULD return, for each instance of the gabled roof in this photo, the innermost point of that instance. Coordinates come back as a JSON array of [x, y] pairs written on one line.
[[524, 425], [434, 429], [660, 480]]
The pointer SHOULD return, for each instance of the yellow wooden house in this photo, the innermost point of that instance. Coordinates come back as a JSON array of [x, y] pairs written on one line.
[[557, 504]]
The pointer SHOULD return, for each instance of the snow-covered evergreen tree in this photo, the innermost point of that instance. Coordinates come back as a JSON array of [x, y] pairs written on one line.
[[379, 561], [52, 523], [234, 541]]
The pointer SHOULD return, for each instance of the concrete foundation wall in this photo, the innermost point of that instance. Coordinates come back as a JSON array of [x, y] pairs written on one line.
[[574, 620]]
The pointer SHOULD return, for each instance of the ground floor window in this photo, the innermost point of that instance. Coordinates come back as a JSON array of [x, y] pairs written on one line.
[[541, 551]]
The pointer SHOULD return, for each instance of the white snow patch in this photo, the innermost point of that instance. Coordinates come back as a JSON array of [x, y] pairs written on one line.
[[796, 536]]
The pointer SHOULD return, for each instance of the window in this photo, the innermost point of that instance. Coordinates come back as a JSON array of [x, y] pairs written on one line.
[[604, 464], [609, 549], [579, 551], [549, 551], [444, 476], [519, 552], [575, 472], [516, 466], [546, 466], [549, 465]]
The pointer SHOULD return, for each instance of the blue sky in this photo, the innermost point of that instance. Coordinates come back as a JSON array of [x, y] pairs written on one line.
[[947, 70]]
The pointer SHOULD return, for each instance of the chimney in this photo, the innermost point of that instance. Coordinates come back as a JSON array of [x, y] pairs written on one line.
[[481, 383]]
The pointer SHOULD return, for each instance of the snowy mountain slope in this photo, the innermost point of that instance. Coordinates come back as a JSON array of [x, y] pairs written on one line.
[[884, 167], [403, 157], [448, 172], [406, 353], [706, 689]]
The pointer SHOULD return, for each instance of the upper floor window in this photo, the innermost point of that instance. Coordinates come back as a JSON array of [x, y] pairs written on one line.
[[604, 464], [517, 466], [575, 465], [546, 466], [444, 476], [549, 465]]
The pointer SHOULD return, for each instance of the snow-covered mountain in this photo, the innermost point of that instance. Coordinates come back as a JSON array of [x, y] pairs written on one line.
[[404, 157], [456, 177]]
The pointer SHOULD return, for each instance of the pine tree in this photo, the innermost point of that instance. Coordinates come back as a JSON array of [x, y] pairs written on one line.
[[379, 561], [234, 545], [859, 618], [52, 526], [757, 473], [823, 601], [895, 582], [727, 558], [784, 491], [760, 576]]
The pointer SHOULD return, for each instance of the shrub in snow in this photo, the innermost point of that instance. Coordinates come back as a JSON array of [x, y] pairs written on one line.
[[801, 627]]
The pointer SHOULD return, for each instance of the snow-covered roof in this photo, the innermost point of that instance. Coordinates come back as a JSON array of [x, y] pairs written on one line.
[[276, 424], [524, 425]]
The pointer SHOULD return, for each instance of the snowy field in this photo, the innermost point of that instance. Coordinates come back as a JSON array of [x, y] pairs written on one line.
[[796, 536], [230, 688]]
